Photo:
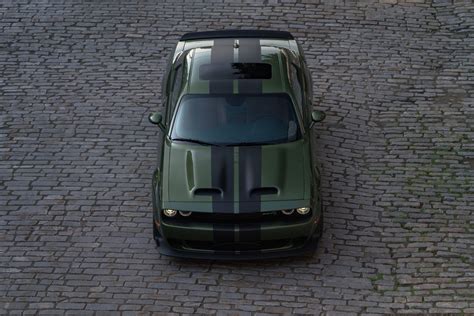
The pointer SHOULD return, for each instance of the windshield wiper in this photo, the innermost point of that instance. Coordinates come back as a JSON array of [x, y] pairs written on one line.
[[195, 141], [250, 144]]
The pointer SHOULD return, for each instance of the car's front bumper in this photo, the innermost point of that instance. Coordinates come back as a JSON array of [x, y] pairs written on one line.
[[242, 241], [307, 249]]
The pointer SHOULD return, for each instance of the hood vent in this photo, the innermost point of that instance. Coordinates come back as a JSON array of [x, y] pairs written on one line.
[[208, 192], [263, 191]]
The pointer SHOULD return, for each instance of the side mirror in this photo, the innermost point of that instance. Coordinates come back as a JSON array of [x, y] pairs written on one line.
[[156, 118], [318, 116]]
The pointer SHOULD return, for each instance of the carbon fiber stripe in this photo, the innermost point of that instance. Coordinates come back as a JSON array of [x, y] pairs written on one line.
[[250, 52], [222, 52]]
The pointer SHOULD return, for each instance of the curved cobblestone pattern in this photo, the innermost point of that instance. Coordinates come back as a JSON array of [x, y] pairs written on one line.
[[78, 80]]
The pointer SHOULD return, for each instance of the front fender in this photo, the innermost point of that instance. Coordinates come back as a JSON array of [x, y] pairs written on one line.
[[316, 199], [156, 192]]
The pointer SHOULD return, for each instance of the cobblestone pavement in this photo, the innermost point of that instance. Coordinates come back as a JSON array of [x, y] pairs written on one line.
[[78, 79]]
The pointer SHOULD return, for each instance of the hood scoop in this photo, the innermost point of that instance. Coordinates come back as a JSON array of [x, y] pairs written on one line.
[[255, 192], [208, 192]]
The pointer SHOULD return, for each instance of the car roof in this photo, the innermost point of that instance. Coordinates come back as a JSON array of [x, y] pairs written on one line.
[[214, 52]]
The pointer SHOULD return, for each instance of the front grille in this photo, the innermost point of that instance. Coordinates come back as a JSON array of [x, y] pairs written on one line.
[[242, 218]]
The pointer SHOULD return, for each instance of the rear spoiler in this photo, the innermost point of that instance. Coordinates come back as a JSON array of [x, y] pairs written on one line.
[[236, 34]]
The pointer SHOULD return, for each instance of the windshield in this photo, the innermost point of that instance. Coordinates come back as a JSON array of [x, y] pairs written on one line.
[[234, 119]]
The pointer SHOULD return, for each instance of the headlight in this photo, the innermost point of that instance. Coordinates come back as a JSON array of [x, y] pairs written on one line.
[[303, 210], [185, 213], [288, 212], [170, 213]]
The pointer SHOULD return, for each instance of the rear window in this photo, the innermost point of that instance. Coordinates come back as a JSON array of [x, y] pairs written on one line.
[[232, 71]]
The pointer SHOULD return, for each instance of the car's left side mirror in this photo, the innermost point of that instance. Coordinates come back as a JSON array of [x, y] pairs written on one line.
[[156, 118], [317, 116]]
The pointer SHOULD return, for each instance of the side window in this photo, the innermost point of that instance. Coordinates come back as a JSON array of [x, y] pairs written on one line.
[[296, 84], [302, 94], [175, 83], [300, 50], [309, 85], [309, 93], [165, 81]]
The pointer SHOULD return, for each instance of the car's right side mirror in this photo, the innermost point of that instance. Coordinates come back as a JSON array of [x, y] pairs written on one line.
[[317, 116]]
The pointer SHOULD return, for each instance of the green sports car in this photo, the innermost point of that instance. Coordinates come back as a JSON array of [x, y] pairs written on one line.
[[236, 176]]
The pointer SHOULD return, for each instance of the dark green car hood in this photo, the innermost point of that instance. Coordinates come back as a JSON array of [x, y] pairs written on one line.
[[235, 179]]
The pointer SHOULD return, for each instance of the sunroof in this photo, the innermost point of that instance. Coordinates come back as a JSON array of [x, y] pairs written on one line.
[[231, 71]]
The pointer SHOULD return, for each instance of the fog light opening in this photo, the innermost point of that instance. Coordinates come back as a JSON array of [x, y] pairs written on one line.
[[169, 212]]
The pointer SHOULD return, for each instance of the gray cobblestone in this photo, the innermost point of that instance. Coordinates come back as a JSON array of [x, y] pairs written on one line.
[[78, 79]]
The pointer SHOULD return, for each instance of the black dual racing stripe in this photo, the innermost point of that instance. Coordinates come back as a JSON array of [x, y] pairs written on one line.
[[250, 51], [222, 52], [249, 232], [222, 178], [250, 158], [250, 175], [222, 158], [223, 233]]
